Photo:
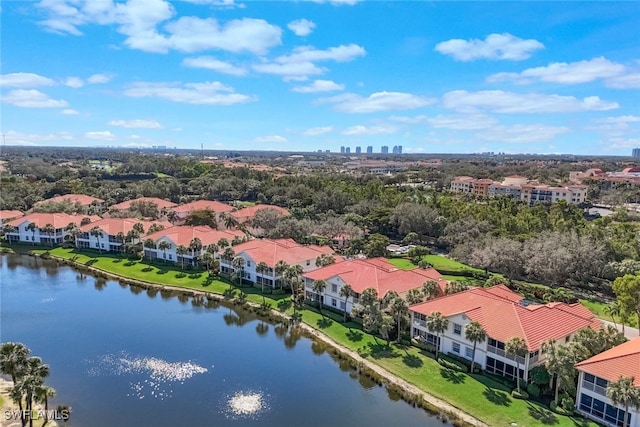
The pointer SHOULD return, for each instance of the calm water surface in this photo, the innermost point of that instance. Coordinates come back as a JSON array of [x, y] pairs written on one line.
[[123, 356]]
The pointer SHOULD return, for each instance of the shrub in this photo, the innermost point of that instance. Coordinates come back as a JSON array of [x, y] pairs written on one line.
[[423, 345], [533, 390], [450, 363], [566, 402], [521, 395], [540, 375]]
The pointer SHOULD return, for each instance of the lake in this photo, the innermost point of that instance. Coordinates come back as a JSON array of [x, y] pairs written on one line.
[[125, 356]]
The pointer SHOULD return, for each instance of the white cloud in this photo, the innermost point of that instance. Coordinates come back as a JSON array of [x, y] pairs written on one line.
[[138, 21], [616, 126], [300, 63], [626, 81], [100, 135], [207, 93], [463, 122], [521, 133], [270, 138], [339, 2], [29, 80], [20, 138], [321, 130], [136, 124], [319, 86], [70, 112], [223, 4], [301, 27], [370, 130], [619, 119], [509, 102], [99, 78], [565, 73], [379, 101], [409, 120], [211, 63], [495, 46], [74, 82], [32, 99]]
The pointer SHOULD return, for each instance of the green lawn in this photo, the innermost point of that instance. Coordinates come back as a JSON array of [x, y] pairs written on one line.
[[477, 395], [438, 262], [598, 308]]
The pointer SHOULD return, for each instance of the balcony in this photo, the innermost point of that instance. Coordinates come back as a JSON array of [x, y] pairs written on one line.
[[502, 353], [420, 323], [594, 388]]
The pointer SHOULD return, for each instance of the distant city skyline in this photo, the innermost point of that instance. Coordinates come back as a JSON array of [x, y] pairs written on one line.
[[432, 77]]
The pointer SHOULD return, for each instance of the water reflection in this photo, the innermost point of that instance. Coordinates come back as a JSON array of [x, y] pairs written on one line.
[[100, 284]]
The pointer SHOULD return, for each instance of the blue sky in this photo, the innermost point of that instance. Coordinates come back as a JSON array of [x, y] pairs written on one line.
[[434, 77]]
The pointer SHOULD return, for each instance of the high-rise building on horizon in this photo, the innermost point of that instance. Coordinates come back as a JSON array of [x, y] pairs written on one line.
[[342, 149], [358, 150], [370, 149], [384, 149], [635, 153], [347, 150], [397, 149]]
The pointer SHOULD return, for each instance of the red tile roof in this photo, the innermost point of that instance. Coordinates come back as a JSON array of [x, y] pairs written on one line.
[[379, 274], [7, 214], [213, 205], [162, 204], [620, 361], [503, 316], [58, 220], [182, 235], [82, 199], [287, 250], [113, 226], [246, 214]]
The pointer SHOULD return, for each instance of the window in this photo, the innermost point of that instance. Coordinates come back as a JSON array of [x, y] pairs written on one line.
[[248, 263], [343, 306], [457, 329], [456, 348], [170, 256], [334, 288], [468, 352], [334, 302]]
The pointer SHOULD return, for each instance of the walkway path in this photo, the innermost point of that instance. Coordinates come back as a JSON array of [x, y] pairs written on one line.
[[629, 331]]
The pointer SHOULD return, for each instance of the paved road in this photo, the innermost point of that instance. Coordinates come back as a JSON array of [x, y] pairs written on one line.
[[629, 332]]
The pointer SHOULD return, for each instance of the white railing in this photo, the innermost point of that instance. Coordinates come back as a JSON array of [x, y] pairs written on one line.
[[594, 387]]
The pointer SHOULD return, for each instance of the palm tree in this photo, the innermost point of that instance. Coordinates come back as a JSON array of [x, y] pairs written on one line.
[[222, 243], [163, 246], [73, 231], [346, 291], [172, 216], [133, 235], [430, 289], [196, 246], [475, 333], [261, 269], [318, 287], [139, 227], [280, 268], [438, 324], [414, 296], [213, 249], [516, 347], [97, 233], [454, 287], [230, 221], [238, 267], [13, 358], [33, 377], [42, 395], [181, 251], [399, 310], [32, 227], [120, 237], [623, 392], [207, 259], [150, 244], [614, 309], [49, 230], [552, 362], [386, 325], [7, 228]]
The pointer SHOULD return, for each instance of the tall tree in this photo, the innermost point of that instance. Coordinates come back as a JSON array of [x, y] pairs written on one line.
[[97, 233], [280, 268], [438, 324], [13, 359], [516, 347], [195, 245], [624, 392], [181, 251], [346, 291], [399, 310], [475, 333], [385, 327], [430, 289], [49, 230], [414, 296], [238, 267], [120, 237], [163, 246], [262, 268], [318, 287], [627, 290], [32, 227]]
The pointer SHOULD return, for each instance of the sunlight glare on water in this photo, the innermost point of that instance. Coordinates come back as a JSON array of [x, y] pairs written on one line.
[[246, 404]]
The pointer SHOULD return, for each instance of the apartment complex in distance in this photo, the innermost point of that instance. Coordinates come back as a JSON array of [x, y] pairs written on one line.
[[519, 187]]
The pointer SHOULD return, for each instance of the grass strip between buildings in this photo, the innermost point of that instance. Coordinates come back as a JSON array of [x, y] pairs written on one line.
[[482, 397]]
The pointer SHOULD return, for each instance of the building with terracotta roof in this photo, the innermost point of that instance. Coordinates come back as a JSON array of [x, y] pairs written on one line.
[[8, 215], [247, 214], [271, 252], [183, 211], [181, 235], [23, 233], [361, 274], [597, 372], [110, 228], [504, 315], [81, 199], [161, 203]]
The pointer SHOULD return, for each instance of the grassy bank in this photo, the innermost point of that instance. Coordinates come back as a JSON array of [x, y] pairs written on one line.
[[477, 395]]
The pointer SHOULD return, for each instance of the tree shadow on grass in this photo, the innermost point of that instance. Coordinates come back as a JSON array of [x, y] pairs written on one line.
[[130, 263], [545, 416], [452, 376], [162, 272], [147, 269], [497, 397], [412, 361], [91, 261], [382, 351], [354, 336], [181, 275], [117, 260], [324, 323], [284, 305], [195, 275], [229, 293]]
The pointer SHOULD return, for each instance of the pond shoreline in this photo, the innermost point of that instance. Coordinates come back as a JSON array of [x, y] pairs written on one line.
[[438, 407]]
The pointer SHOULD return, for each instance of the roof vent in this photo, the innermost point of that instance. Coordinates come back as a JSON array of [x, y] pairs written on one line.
[[526, 302]]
